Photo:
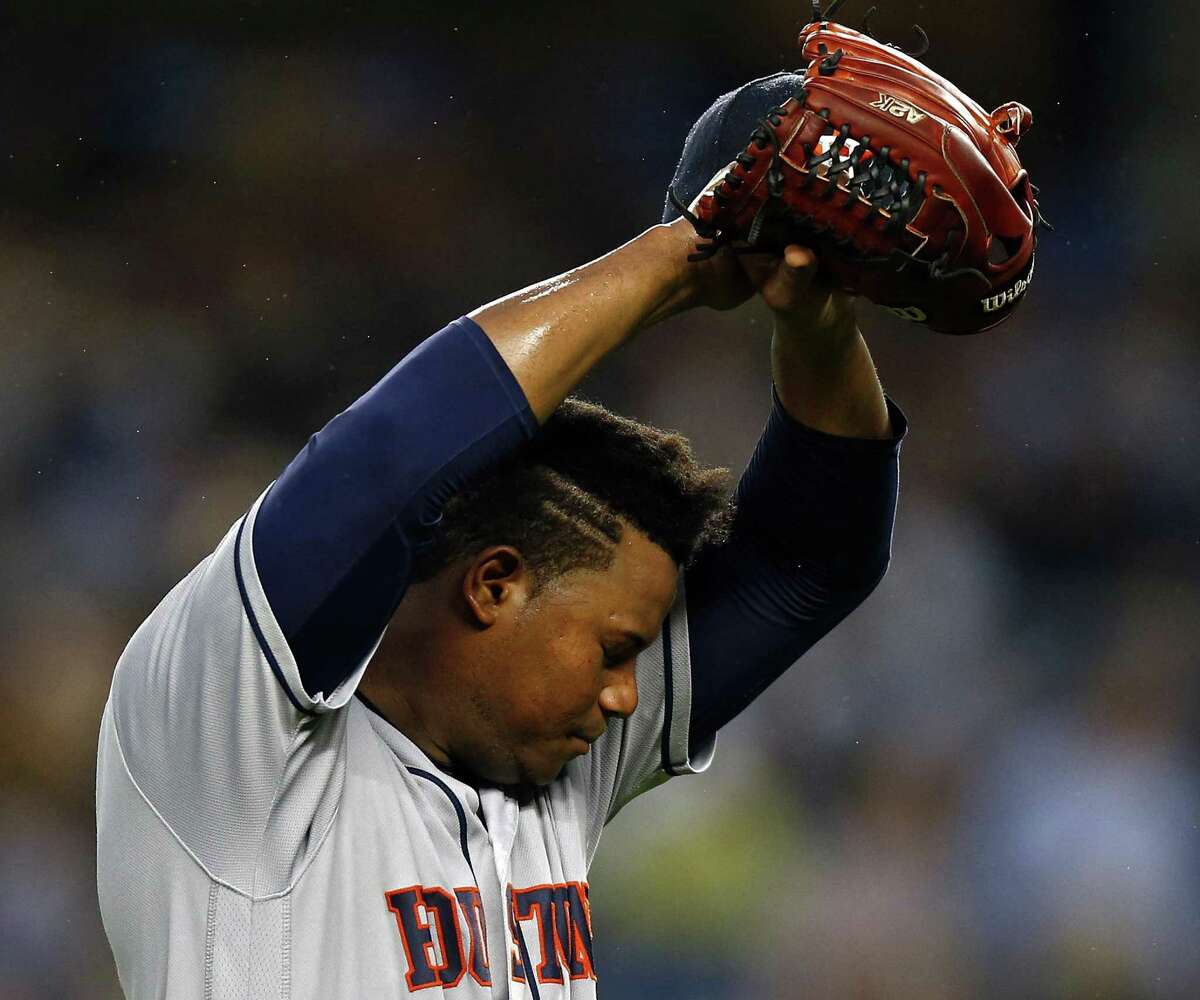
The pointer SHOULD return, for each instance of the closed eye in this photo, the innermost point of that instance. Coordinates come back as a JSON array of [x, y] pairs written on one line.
[[621, 652], [616, 658]]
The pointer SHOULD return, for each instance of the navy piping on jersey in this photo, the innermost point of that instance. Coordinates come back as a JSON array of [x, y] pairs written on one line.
[[530, 972], [458, 811], [668, 697], [422, 773], [258, 633]]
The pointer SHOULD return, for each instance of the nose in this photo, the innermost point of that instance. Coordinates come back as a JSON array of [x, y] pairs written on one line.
[[619, 696]]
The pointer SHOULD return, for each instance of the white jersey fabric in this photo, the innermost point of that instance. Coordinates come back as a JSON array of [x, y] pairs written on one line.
[[257, 842]]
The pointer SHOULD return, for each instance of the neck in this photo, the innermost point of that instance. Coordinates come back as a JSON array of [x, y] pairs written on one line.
[[392, 702], [406, 672]]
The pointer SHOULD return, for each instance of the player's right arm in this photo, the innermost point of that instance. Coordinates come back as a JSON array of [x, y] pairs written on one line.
[[551, 334], [221, 692], [221, 757], [335, 537]]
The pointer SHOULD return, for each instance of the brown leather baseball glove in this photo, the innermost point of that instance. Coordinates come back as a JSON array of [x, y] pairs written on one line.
[[910, 193]]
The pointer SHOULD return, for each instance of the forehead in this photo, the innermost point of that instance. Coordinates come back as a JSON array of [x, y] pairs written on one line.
[[634, 593]]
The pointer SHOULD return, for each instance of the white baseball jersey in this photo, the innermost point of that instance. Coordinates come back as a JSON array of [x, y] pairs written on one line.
[[257, 842]]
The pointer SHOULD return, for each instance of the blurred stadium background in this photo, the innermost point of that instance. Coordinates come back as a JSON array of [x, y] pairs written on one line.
[[222, 222]]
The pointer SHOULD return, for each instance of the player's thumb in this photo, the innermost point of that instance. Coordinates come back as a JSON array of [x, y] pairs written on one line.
[[787, 286], [799, 263]]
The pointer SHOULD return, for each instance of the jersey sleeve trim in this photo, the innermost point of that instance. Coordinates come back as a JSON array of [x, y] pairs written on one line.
[[269, 634], [677, 756]]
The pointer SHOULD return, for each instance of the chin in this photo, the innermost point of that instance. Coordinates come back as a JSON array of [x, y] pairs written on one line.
[[531, 769], [541, 775], [543, 781], [543, 770], [513, 773]]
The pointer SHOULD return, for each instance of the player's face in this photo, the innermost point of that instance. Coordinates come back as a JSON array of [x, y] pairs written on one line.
[[565, 665]]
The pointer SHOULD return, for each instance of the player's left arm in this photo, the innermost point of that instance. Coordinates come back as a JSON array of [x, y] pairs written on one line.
[[812, 536], [822, 369]]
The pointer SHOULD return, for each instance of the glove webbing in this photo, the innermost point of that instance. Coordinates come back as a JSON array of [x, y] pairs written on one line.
[[889, 189]]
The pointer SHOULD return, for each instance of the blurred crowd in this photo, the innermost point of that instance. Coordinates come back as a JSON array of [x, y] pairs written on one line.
[[219, 227]]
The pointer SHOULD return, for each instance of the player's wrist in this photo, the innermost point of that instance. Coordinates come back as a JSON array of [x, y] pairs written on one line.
[[667, 247], [822, 318], [716, 282]]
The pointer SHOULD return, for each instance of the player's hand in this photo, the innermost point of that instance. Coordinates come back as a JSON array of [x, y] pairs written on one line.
[[801, 301], [718, 282], [787, 284]]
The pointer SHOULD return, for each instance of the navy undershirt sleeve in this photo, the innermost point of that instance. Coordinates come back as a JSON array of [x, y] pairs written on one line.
[[811, 539], [335, 536]]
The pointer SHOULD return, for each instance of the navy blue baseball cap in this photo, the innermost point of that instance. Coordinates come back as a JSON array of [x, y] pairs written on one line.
[[723, 131]]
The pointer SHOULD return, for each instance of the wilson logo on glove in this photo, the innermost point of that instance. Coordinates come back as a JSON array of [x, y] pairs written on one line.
[[994, 302], [898, 109]]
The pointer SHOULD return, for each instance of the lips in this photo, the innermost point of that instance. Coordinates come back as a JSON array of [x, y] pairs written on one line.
[[579, 746], [582, 742]]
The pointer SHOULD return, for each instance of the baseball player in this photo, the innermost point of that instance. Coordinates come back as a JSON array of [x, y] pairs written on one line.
[[367, 747]]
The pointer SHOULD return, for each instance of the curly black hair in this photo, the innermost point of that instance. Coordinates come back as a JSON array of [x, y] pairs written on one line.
[[564, 499]]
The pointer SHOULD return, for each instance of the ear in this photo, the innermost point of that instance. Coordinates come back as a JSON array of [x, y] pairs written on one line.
[[497, 580]]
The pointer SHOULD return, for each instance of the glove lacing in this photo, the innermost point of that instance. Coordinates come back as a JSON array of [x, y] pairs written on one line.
[[888, 189]]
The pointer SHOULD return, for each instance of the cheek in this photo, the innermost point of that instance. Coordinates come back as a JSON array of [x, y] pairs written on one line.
[[555, 685], [575, 665]]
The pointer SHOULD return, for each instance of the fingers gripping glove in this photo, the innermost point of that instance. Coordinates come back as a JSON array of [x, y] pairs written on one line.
[[912, 195]]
